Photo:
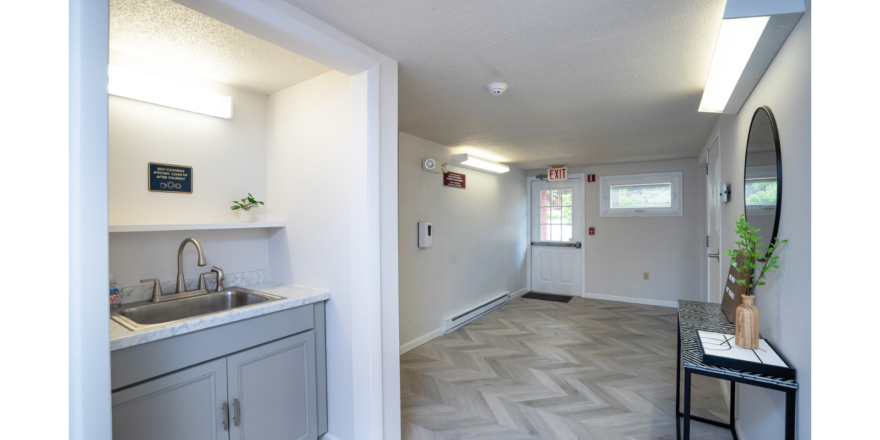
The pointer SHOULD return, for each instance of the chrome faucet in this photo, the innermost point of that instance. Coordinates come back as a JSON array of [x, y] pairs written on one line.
[[181, 281]]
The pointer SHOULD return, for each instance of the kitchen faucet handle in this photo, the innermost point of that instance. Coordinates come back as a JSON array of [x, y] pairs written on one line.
[[203, 284], [220, 278], [157, 288]]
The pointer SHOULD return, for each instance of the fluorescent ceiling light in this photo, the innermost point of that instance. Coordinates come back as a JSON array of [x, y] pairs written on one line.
[[135, 85], [735, 44], [468, 161]]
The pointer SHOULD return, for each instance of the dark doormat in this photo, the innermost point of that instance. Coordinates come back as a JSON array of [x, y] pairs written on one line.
[[548, 297]]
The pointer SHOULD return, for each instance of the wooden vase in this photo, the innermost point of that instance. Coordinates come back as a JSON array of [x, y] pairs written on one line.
[[748, 320]]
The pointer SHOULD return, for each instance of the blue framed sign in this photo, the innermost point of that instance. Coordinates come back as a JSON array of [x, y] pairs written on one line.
[[164, 177]]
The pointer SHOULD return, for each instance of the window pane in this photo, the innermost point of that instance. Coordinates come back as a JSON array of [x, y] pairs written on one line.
[[566, 197], [566, 216], [566, 233], [556, 215], [761, 192], [641, 196], [545, 233], [556, 232]]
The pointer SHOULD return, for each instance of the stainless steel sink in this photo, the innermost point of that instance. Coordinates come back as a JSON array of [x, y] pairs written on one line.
[[139, 315]]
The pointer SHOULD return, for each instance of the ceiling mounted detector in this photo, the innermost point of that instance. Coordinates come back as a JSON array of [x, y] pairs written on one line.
[[496, 89]]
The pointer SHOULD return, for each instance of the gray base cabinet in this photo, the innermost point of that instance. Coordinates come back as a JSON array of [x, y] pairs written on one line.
[[258, 379], [269, 393]]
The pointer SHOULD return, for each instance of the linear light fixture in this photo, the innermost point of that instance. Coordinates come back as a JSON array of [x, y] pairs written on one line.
[[135, 85], [475, 163], [735, 45]]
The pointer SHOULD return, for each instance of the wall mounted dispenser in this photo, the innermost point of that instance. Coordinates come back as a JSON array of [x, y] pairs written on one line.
[[425, 235]]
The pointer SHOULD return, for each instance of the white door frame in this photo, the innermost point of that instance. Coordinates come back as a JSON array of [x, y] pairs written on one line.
[[704, 160], [374, 274], [88, 265], [583, 209]]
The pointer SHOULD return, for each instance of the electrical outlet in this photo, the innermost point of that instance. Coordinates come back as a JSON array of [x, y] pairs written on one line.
[[645, 276]]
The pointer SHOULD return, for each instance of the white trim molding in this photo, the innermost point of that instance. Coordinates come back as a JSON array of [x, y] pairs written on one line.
[[423, 339], [86, 256], [630, 299], [519, 293]]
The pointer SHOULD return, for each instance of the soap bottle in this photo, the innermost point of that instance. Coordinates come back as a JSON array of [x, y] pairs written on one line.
[[115, 293]]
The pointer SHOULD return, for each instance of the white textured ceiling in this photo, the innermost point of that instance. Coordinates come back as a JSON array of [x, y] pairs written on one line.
[[167, 33], [591, 81]]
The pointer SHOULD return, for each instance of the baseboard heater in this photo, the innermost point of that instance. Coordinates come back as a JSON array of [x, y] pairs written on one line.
[[465, 316]]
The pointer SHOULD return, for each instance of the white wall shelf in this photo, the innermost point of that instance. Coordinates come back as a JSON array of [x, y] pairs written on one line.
[[193, 226]]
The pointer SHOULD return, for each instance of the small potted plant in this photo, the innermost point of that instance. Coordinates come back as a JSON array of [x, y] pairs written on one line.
[[245, 215], [756, 262]]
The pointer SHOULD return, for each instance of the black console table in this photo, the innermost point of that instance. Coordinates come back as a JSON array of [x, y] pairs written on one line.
[[693, 316]]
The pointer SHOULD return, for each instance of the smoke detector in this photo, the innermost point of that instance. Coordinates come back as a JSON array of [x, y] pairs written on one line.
[[496, 89]]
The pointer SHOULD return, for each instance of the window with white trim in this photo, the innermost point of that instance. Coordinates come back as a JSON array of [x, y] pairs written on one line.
[[641, 195]]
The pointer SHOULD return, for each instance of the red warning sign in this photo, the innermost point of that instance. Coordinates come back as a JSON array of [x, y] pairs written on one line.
[[453, 180]]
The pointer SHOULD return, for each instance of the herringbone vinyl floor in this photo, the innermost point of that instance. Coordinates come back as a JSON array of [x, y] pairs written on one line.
[[533, 369]]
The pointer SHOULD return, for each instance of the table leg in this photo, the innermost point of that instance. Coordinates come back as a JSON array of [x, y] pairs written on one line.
[[687, 404], [678, 375], [790, 406], [733, 409], [678, 385]]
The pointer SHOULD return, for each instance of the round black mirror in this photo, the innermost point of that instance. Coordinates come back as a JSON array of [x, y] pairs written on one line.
[[762, 185]]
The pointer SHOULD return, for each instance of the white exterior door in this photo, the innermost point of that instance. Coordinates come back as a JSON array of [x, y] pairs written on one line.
[[557, 223], [713, 232]]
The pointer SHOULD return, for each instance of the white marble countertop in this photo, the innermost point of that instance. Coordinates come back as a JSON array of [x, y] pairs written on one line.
[[294, 296]]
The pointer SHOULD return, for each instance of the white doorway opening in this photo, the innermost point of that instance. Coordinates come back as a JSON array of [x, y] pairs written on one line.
[[713, 223]]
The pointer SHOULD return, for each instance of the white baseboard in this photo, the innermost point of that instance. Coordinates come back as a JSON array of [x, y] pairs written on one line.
[[629, 299], [421, 340], [519, 293], [439, 331]]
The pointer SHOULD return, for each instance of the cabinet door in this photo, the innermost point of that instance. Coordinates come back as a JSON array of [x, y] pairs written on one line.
[[186, 405], [273, 388]]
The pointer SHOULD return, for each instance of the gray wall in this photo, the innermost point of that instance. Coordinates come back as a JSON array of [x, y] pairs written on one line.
[[479, 248], [785, 300], [670, 249]]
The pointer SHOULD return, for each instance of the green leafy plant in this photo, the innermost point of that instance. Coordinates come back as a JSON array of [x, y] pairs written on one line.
[[752, 252], [246, 204]]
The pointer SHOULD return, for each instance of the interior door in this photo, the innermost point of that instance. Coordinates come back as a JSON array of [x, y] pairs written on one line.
[[557, 223], [186, 405], [273, 391], [713, 231]]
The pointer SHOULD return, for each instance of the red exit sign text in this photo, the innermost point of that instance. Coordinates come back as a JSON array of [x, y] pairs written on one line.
[[557, 174]]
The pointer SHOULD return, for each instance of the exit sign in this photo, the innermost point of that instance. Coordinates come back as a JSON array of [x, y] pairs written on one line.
[[557, 174]]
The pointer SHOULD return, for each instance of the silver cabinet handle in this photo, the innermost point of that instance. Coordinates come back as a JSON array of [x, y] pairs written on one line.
[[225, 409], [236, 412], [714, 256]]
